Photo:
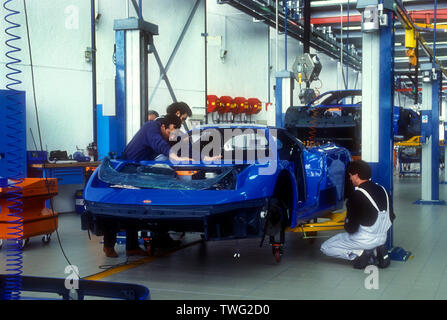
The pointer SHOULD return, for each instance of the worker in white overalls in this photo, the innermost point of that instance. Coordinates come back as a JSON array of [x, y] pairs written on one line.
[[368, 219]]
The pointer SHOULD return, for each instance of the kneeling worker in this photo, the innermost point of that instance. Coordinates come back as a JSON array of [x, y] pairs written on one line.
[[368, 219]]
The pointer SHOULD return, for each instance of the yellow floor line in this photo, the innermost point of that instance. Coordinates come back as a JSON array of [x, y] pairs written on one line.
[[134, 264]]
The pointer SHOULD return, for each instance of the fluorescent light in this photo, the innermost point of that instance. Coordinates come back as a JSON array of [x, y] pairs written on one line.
[[437, 42], [331, 3]]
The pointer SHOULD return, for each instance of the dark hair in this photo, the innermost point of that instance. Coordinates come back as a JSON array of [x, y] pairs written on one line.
[[155, 113], [179, 106], [169, 119], [361, 168]]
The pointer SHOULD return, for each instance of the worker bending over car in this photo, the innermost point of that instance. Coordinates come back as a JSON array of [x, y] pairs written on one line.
[[369, 217], [151, 141]]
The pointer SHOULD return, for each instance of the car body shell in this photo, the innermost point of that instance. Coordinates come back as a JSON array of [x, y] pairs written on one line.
[[310, 183]]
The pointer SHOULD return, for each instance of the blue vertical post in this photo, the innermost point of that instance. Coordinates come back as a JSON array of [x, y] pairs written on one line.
[[383, 173], [12, 134], [378, 98], [111, 129], [436, 99], [445, 148], [117, 132], [431, 87], [383, 170], [283, 95], [140, 9], [278, 102]]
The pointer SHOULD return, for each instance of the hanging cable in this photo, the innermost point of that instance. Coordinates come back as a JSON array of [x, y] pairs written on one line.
[[285, 35], [347, 48], [14, 123], [434, 35]]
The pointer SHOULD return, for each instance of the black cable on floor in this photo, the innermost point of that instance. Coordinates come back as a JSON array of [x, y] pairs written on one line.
[[111, 266]]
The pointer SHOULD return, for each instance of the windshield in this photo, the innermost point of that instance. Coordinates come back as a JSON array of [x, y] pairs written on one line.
[[161, 176], [233, 144]]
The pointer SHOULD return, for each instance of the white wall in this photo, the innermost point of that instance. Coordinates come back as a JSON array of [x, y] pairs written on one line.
[[59, 35]]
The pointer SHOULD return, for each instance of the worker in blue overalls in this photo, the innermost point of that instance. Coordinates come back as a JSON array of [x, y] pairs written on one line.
[[369, 217], [147, 144]]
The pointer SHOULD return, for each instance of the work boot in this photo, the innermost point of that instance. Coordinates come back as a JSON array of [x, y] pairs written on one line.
[[366, 258], [383, 258], [110, 252], [136, 252]]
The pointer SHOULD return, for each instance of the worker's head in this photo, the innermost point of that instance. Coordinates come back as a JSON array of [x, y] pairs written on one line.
[[169, 124], [359, 171], [180, 109], [152, 115]]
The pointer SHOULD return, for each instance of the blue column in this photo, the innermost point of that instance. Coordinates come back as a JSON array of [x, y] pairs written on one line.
[[12, 135], [430, 135], [111, 130], [436, 99], [278, 102], [383, 170]]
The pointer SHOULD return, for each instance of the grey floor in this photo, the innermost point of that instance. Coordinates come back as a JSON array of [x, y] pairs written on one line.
[[212, 271]]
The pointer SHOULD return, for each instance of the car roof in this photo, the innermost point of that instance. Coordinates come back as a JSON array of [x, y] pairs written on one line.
[[336, 94]]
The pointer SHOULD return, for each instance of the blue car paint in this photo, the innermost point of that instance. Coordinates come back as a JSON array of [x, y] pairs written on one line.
[[324, 169]]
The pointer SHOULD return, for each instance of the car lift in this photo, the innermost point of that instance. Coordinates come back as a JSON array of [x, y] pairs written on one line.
[[413, 142], [332, 221]]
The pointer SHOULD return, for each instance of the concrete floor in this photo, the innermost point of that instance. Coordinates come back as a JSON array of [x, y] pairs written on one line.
[[211, 271]]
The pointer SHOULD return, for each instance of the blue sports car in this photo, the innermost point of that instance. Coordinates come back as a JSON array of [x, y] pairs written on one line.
[[267, 180], [336, 116], [332, 116]]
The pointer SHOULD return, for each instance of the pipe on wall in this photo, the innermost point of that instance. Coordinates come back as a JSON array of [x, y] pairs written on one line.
[[93, 45]]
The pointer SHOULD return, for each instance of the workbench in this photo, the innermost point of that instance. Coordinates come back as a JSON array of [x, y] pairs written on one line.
[[65, 173]]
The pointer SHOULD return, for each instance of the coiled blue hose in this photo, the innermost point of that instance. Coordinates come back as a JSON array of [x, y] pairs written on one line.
[[13, 155]]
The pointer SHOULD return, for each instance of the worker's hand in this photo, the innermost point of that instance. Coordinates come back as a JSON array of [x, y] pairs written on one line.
[[175, 159], [211, 159]]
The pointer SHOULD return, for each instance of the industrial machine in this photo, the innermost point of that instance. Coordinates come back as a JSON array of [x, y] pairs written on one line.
[[306, 68]]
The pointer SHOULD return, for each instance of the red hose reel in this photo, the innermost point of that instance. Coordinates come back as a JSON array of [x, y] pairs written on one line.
[[254, 106], [236, 106], [212, 103]]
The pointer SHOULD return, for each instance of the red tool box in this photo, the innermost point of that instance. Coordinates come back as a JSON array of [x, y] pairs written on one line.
[[37, 219]]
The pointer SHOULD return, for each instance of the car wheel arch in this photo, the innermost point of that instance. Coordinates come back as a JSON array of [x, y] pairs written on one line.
[[285, 190]]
